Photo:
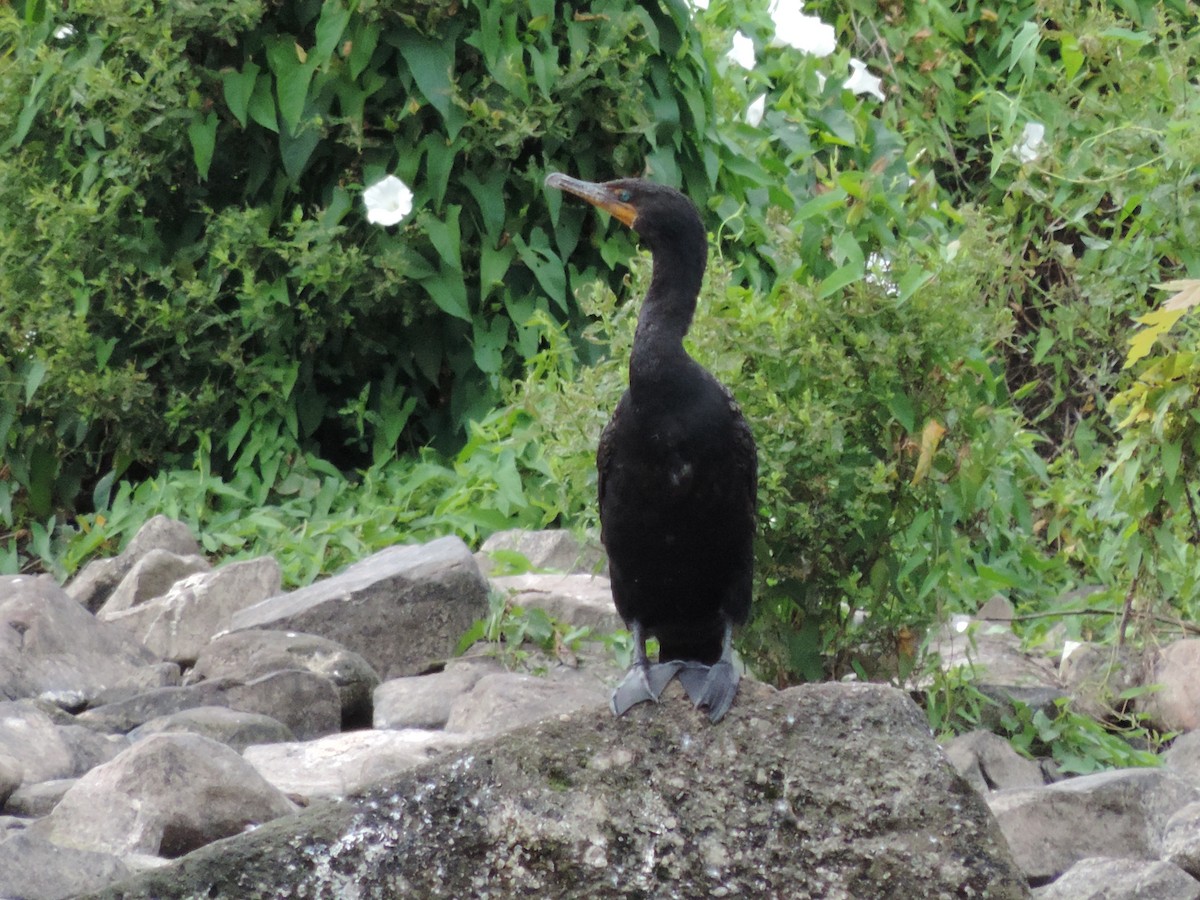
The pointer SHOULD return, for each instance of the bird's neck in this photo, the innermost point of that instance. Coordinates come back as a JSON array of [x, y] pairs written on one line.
[[666, 315]]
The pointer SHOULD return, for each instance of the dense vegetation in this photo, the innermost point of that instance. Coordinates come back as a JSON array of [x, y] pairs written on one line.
[[924, 302]]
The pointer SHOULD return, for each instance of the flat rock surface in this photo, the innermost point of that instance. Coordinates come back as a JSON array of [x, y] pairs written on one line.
[[1116, 814], [580, 600], [402, 608], [833, 791], [48, 642]]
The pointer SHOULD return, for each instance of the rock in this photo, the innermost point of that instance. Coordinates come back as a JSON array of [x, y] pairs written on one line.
[[997, 609], [988, 762], [165, 796], [245, 655], [36, 800], [178, 625], [231, 727], [508, 700], [306, 703], [425, 701], [33, 868], [1183, 757], [45, 748], [151, 576], [1176, 705], [1181, 839], [1003, 671], [340, 764], [48, 642], [1095, 676], [591, 806], [402, 608], [1122, 879], [1118, 814], [12, 773], [147, 678], [554, 550], [578, 600], [99, 578]]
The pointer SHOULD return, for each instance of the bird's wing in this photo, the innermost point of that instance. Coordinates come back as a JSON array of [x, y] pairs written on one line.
[[604, 456]]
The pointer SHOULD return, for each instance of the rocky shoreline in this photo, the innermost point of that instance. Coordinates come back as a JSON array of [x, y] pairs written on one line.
[[172, 729]]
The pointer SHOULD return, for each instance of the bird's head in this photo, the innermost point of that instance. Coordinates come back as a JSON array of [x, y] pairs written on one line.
[[659, 214]]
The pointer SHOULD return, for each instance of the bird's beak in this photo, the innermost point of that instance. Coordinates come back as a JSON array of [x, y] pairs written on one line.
[[599, 195]]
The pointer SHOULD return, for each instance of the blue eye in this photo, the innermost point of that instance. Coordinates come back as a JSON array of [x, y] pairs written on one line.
[[624, 196]]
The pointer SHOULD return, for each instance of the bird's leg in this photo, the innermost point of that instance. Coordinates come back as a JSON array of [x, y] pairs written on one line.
[[643, 681], [712, 688]]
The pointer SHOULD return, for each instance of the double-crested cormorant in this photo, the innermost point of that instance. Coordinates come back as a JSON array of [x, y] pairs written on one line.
[[677, 471]]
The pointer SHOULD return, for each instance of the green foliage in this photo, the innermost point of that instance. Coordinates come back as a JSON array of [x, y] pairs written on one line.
[[183, 259], [1093, 220], [1078, 744], [313, 519], [510, 626]]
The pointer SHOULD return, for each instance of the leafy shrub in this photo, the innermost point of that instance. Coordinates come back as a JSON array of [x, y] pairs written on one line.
[[183, 264], [1093, 217]]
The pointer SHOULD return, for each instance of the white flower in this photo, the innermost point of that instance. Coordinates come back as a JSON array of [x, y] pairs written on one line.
[[754, 112], [861, 81], [388, 201], [1032, 139], [807, 34], [62, 32], [742, 52]]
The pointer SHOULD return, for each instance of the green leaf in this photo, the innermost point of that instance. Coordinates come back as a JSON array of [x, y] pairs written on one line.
[[261, 106], [34, 376], [203, 136], [846, 275], [446, 238], [1172, 451], [296, 150], [362, 48], [1023, 52], [901, 407], [239, 88], [547, 268], [449, 291], [430, 63], [293, 76], [1072, 56], [330, 28]]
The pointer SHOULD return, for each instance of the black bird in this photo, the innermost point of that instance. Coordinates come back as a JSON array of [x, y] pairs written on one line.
[[677, 471]]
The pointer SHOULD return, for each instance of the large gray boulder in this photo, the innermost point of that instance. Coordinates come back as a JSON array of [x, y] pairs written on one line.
[[45, 744], [49, 643], [1175, 706], [99, 578], [342, 764], [179, 624], [402, 608], [245, 655], [151, 576], [1120, 814], [1122, 879], [164, 796], [305, 702], [34, 868], [832, 791]]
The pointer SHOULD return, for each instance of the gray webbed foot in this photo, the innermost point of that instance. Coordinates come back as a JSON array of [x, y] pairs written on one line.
[[642, 683], [711, 688]]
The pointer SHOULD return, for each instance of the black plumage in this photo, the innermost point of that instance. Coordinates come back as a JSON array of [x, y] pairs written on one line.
[[677, 470]]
